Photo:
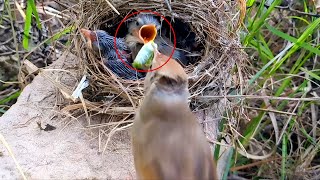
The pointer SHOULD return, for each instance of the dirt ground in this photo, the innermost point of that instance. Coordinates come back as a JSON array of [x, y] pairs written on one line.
[[68, 152]]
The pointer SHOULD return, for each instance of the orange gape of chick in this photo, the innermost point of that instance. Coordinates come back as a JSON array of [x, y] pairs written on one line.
[[167, 141]]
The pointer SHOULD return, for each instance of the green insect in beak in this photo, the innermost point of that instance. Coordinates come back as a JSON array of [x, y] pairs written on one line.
[[143, 60]]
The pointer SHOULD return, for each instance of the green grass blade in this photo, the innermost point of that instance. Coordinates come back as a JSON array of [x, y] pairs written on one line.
[[258, 13], [251, 128], [311, 74], [257, 25], [265, 46], [60, 34], [300, 18], [294, 70], [31, 8], [250, 3], [305, 7], [27, 27], [229, 164], [310, 29], [303, 85], [265, 51], [10, 98], [217, 146], [35, 12], [287, 37], [259, 73], [309, 138]]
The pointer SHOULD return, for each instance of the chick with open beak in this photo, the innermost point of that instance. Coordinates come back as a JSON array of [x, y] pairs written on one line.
[[165, 46], [147, 34], [103, 44]]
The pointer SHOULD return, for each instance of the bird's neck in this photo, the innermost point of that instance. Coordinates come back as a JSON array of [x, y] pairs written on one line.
[[159, 103]]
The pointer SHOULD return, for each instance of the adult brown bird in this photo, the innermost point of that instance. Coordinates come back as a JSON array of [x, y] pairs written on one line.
[[168, 142]]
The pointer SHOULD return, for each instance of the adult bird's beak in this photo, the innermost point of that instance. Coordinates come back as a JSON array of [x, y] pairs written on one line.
[[147, 33]]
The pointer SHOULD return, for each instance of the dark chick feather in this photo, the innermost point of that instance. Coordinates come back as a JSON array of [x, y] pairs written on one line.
[[165, 46], [118, 68], [103, 43], [143, 19]]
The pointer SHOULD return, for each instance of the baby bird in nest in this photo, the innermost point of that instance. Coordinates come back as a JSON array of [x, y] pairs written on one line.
[[165, 46], [167, 141], [103, 44]]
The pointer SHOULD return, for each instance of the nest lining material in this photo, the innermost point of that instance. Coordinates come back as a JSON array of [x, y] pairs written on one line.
[[213, 21]]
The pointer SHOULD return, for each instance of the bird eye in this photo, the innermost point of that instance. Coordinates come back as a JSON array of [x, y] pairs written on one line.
[[137, 23]]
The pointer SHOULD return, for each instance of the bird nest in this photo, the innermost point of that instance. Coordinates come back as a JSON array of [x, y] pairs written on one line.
[[217, 61]]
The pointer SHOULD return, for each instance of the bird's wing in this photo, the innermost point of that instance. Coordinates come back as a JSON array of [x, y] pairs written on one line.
[[121, 70], [108, 42], [112, 56]]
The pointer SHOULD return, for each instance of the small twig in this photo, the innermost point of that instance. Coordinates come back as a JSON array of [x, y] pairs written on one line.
[[20, 10], [8, 53], [107, 124], [168, 4], [6, 42], [112, 7], [287, 123], [303, 13], [314, 117], [114, 130], [10, 82], [85, 109], [2, 139], [242, 4], [252, 164], [13, 33], [257, 97], [270, 110]]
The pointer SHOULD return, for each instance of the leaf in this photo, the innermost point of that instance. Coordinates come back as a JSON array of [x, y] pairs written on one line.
[[256, 25], [27, 27], [60, 34], [294, 70], [31, 8], [250, 3], [287, 37], [35, 12], [9, 98], [229, 164], [259, 73], [310, 29], [310, 73]]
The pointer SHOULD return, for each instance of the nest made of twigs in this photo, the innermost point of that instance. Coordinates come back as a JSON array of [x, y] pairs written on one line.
[[215, 23]]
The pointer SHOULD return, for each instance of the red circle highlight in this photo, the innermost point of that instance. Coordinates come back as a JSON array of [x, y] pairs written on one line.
[[135, 13]]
